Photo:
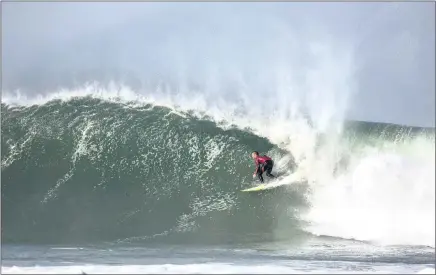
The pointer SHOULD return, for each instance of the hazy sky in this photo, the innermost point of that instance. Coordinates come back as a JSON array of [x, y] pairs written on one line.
[[382, 53]]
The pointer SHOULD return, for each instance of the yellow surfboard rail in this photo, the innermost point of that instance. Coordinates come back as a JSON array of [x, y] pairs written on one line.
[[259, 187]]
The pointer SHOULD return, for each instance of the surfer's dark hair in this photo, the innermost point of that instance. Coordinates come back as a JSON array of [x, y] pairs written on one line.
[[256, 152]]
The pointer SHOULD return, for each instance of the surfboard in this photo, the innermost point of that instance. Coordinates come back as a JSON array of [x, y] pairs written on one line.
[[259, 187], [281, 180]]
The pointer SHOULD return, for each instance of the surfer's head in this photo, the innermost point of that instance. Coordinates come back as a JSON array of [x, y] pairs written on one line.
[[254, 154]]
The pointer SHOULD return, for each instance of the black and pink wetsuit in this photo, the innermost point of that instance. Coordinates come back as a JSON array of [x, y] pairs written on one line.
[[263, 164]]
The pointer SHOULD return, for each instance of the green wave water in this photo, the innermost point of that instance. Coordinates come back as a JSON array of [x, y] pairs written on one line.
[[89, 170]]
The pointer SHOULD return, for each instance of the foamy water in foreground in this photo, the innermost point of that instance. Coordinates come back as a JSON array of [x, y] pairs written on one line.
[[326, 256], [208, 268]]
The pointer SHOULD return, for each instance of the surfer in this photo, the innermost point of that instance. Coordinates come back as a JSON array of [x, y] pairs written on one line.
[[263, 164]]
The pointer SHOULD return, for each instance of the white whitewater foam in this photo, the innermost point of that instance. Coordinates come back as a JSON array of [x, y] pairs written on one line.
[[385, 196], [427, 271]]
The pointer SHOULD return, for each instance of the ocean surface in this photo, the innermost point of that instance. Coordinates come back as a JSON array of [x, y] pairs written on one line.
[[105, 184]]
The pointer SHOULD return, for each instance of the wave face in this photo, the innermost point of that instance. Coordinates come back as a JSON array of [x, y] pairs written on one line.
[[91, 170], [87, 169]]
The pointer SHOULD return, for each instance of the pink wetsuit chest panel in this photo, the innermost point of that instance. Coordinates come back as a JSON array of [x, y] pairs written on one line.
[[262, 159]]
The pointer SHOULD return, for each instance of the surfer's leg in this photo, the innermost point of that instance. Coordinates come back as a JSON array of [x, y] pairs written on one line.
[[268, 173], [268, 168], [259, 173]]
